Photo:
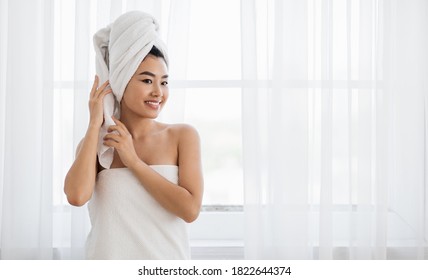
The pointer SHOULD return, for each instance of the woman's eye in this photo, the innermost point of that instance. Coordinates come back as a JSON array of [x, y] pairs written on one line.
[[147, 81], [164, 83]]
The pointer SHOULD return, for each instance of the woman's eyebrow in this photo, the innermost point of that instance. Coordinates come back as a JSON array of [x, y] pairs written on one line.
[[151, 74]]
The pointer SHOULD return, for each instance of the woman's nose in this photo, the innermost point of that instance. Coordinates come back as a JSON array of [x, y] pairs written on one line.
[[157, 91]]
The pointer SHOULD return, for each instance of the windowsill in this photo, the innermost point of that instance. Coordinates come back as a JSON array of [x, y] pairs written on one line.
[[217, 249], [231, 250], [222, 208], [220, 235]]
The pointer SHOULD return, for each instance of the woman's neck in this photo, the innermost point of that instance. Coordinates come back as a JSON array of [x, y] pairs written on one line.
[[137, 126]]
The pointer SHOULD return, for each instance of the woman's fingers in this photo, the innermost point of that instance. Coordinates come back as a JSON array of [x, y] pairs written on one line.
[[99, 91], [119, 124], [111, 136], [94, 86], [102, 88], [118, 128], [96, 101], [104, 93], [110, 143]]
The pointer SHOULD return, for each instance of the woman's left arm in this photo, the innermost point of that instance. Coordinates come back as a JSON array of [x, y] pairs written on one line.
[[183, 199]]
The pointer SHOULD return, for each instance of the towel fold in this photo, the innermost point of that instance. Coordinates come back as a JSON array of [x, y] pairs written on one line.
[[119, 50]]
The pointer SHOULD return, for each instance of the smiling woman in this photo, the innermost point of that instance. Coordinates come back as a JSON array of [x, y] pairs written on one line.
[[148, 88], [142, 193]]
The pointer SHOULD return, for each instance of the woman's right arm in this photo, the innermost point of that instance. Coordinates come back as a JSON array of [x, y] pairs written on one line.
[[80, 179]]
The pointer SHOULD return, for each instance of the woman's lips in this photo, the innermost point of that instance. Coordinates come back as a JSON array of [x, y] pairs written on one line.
[[153, 104]]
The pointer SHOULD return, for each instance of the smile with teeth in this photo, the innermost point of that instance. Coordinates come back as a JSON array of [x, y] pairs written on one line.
[[153, 104]]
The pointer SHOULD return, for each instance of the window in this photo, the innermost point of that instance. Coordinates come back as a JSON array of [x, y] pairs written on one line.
[[211, 94], [213, 97]]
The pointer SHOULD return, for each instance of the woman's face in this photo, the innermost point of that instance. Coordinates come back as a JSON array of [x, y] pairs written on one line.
[[147, 91]]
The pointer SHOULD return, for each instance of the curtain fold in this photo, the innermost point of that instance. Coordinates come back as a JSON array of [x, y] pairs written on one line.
[[177, 40], [79, 219], [26, 216], [3, 63], [335, 144]]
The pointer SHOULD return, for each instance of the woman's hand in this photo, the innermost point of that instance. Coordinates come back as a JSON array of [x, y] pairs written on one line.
[[96, 102], [122, 142]]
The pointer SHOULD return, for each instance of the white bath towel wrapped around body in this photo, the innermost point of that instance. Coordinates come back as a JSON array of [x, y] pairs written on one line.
[[119, 50], [128, 223]]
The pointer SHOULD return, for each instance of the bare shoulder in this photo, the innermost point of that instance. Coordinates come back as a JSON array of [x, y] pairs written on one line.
[[184, 132], [189, 154]]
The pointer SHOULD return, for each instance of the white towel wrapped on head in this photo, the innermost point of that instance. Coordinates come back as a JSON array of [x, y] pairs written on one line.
[[119, 49]]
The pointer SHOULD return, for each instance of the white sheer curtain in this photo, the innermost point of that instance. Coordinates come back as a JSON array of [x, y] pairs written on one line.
[[44, 113], [26, 78], [334, 128], [334, 123]]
